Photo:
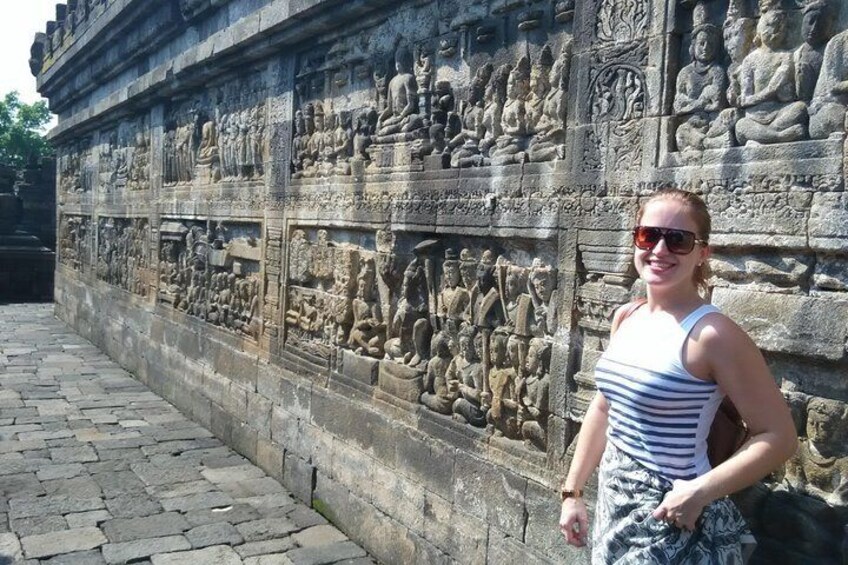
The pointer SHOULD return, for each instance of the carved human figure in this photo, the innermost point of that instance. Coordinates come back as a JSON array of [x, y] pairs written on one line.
[[464, 146], [493, 111], [454, 298], [540, 286], [424, 73], [548, 129], [739, 35], [366, 127], [343, 143], [533, 394], [437, 396], [368, 333], [701, 87], [465, 376], [315, 145], [773, 113], [816, 29], [401, 113], [486, 312], [410, 327], [503, 414], [540, 87], [509, 146], [299, 144], [830, 99], [820, 465], [208, 151], [518, 311], [140, 169]]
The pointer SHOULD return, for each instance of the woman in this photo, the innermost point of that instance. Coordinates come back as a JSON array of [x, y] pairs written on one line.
[[666, 370]]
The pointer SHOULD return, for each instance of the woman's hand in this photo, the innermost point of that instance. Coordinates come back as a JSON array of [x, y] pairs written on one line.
[[682, 505], [574, 522]]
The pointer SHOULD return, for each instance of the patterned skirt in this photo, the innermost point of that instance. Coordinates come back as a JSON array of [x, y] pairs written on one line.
[[625, 532]]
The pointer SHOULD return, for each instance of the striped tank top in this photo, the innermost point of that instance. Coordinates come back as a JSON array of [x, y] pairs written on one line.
[[659, 413]]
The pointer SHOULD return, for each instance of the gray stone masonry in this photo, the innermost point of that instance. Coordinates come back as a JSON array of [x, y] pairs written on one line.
[[181, 498]]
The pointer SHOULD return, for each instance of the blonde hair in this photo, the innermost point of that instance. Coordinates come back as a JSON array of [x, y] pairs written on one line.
[[699, 213]]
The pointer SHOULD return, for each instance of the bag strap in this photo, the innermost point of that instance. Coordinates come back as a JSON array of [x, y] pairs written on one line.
[[626, 312]]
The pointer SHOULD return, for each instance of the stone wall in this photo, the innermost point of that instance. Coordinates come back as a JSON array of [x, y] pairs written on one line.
[[376, 245]]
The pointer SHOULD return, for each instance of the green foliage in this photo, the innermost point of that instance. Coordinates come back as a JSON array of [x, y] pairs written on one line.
[[21, 131]]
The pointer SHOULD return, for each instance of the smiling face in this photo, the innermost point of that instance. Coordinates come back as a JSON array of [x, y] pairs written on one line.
[[658, 266]]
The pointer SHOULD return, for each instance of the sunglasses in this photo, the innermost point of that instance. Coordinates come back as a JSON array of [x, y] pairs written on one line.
[[679, 242]]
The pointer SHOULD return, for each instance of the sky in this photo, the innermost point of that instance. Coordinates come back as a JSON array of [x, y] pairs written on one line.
[[17, 30]]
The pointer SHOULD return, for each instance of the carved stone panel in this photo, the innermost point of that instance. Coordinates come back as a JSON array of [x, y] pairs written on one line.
[[211, 270], [75, 242], [123, 254]]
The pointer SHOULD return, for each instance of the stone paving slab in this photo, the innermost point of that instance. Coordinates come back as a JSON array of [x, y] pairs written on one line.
[[95, 468]]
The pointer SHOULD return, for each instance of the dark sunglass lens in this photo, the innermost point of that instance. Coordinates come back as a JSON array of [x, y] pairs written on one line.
[[679, 241], [645, 237]]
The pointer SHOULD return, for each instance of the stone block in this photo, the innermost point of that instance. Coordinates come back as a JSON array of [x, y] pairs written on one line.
[[259, 414], [475, 492], [329, 553], [801, 325], [217, 555], [214, 534], [298, 477], [158, 525], [829, 222], [269, 458], [139, 549], [46, 545], [542, 534], [400, 381], [362, 369], [265, 529], [455, 532]]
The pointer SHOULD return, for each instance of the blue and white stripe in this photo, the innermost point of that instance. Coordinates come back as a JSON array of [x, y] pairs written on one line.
[[659, 413]]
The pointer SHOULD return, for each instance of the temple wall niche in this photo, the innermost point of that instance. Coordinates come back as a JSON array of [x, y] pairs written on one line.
[[383, 241]]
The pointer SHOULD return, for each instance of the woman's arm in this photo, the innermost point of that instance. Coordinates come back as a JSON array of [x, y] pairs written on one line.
[[740, 370], [590, 447]]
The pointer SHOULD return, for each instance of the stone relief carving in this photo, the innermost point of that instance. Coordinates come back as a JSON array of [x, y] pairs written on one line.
[[466, 333], [779, 89], [124, 159], [219, 136], [75, 242], [417, 108], [622, 21], [75, 169], [211, 270], [123, 254]]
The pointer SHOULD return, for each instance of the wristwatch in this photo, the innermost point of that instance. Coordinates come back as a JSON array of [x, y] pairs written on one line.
[[569, 493]]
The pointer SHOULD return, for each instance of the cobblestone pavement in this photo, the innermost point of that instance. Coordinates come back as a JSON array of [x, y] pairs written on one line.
[[95, 468]]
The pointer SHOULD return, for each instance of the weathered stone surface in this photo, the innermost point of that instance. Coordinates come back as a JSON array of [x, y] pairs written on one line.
[[218, 555], [45, 545], [138, 549], [813, 327], [158, 525]]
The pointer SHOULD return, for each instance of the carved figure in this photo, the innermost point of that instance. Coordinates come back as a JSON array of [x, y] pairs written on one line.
[[503, 415], [401, 113], [816, 29], [700, 98], [464, 146], [343, 143], [208, 150], [533, 394], [140, 169], [773, 113], [368, 333], [820, 466], [830, 99], [465, 376], [739, 33], [454, 299], [548, 124], [410, 327], [540, 287], [509, 146], [493, 111], [437, 396]]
